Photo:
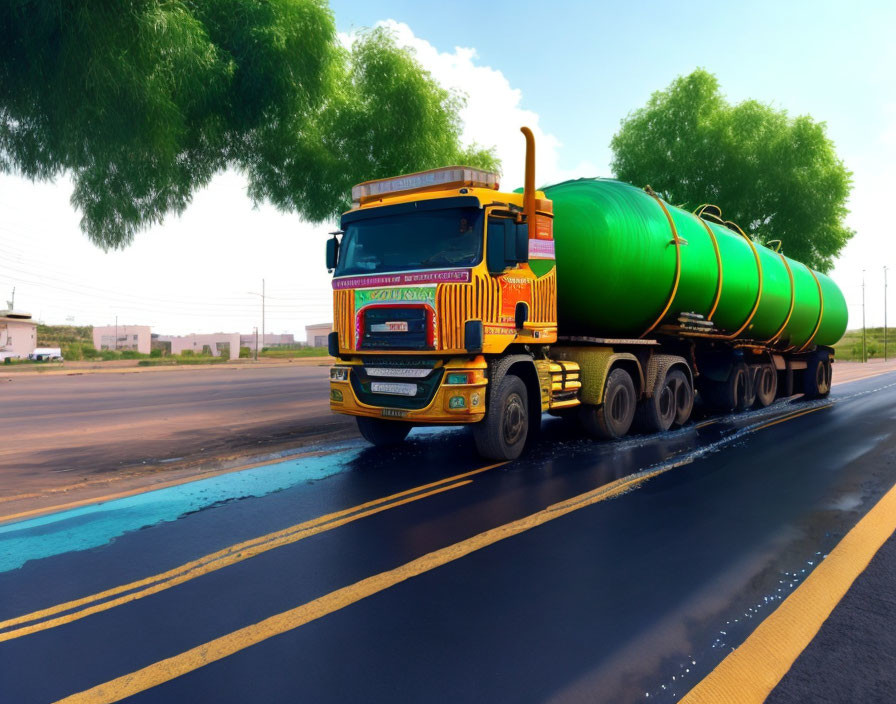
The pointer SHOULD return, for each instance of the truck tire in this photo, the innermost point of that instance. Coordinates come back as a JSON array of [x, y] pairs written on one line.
[[657, 413], [766, 385], [382, 433], [612, 419], [502, 434], [817, 376], [732, 394], [683, 393]]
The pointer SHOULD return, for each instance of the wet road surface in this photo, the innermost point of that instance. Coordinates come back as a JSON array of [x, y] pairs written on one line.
[[583, 572]]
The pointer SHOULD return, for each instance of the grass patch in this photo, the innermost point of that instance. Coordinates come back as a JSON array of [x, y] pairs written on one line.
[[182, 359], [849, 349], [293, 352]]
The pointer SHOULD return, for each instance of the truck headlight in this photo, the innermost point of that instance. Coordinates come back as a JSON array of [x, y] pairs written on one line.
[[457, 378], [338, 373]]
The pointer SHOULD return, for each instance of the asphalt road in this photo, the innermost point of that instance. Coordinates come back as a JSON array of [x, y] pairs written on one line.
[[63, 431], [585, 572]]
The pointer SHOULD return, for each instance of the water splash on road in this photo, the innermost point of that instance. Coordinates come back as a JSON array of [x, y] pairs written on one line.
[[92, 526]]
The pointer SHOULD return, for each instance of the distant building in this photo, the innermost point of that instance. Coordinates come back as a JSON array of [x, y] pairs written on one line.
[[270, 340], [18, 334], [215, 344], [123, 337], [316, 335]]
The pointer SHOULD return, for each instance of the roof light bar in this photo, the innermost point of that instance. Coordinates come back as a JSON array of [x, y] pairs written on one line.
[[436, 179]]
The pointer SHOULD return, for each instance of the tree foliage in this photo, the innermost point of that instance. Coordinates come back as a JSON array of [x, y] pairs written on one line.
[[142, 102], [776, 176]]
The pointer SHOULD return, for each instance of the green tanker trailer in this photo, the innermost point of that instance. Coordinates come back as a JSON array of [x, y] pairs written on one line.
[[457, 303]]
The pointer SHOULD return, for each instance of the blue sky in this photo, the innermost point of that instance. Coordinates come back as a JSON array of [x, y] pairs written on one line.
[[571, 70], [583, 65]]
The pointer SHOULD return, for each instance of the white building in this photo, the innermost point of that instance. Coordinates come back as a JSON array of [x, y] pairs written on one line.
[[270, 339], [18, 334], [316, 335], [123, 337], [219, 343]]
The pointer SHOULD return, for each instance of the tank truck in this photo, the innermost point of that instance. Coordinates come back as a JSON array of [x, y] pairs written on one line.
[[457, 303]]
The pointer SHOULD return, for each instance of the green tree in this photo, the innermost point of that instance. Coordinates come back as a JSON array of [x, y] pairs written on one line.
[[142, 102], [777, 177]]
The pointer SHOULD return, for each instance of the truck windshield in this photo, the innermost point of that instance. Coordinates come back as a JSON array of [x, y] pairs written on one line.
[[427, 239]]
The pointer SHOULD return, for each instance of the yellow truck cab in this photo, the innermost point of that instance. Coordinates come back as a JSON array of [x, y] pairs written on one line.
[[437, 274]]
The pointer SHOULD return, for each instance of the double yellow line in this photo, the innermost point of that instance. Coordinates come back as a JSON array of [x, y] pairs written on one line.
[[226, 645], [190, 660], [102, 601]]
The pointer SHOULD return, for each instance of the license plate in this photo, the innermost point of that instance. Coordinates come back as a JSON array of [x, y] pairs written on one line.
[[391, 326], [394, 388]]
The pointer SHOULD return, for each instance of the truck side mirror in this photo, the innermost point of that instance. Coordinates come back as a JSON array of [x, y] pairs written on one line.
[[522, 242], [507, 246], [332, 253], [516, 242], [333, 344], [473, 334]]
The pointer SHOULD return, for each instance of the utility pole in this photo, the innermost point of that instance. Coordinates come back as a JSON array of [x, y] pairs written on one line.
[[12, 303], [885, 313], [864, 356], [116, 333], [262, 294]]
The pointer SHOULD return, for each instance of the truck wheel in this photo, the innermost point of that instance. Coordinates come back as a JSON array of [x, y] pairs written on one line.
[[683, 393], [749, 397], [614, 417], [657, 413], [501, 435], [817, 376], [731, 394], [383, 433], [766, 385]]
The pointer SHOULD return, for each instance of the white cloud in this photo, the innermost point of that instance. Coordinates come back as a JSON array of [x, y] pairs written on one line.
[[493, 114]]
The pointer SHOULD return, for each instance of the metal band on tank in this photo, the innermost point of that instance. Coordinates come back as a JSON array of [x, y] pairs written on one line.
[[677, 242], [715, 246], [820, 312], [780, 332], [758, 270]]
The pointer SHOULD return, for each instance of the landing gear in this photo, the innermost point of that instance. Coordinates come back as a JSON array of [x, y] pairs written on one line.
[[614, 417], [502, 434], [817, 376], [383, 433]]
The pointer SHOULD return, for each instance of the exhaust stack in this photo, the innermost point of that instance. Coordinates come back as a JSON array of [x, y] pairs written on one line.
[[529, 184]]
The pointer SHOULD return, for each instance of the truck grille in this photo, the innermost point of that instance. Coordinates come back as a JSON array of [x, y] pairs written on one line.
[[388, 328]]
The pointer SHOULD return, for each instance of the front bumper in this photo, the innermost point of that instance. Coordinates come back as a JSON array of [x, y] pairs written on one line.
[[450, 403]]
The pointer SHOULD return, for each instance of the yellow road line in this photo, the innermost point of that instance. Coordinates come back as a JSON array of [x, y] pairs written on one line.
[[753, 670], [219, 648], [211, 567], [225, 557]]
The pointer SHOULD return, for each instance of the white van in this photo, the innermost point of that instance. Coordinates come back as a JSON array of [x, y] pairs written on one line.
[[46, 354]]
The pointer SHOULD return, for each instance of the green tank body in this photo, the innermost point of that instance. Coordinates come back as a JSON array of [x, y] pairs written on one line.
[[617, 267]]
